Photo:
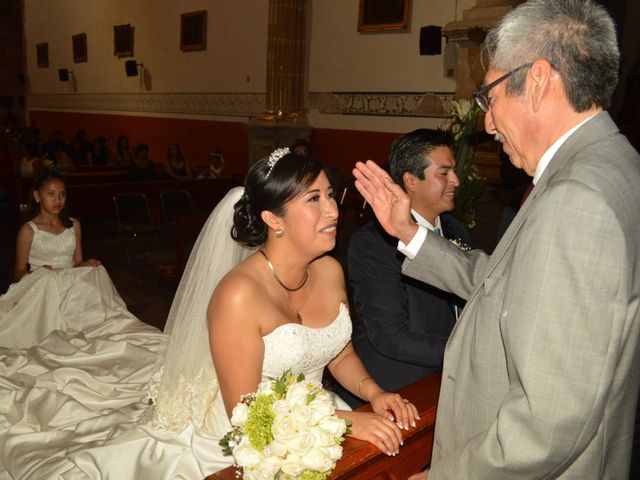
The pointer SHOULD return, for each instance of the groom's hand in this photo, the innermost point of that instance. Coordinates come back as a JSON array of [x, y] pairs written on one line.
[[389, 202]]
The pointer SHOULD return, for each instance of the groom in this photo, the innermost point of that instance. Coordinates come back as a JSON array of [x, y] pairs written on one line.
[[540, 376], [402, 325]]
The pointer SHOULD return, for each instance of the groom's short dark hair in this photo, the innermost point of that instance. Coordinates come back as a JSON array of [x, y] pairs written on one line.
[[410, 152]]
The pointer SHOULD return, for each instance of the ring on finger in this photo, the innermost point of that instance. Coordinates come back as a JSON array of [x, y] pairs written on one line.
[[406, 401]]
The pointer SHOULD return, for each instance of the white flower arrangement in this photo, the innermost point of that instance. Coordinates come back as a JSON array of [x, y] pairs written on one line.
[[287, 429]]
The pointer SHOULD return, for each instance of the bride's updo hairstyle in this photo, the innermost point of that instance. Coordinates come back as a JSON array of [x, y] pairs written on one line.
[[271, 188]]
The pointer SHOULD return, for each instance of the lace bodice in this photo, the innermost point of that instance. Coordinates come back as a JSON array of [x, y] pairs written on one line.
[[304, 349], [52, 249], [291, 346]]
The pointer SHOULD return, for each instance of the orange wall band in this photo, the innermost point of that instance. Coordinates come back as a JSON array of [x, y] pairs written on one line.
[[197, 138]]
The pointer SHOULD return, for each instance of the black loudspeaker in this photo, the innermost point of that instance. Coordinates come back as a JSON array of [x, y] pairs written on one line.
[[63, 74], [430, 40], [131, 68]]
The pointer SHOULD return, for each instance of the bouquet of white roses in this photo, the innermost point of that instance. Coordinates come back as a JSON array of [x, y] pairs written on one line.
[[287, 429]]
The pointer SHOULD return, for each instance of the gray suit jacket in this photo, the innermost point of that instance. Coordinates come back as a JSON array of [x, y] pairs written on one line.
[[541, 372]]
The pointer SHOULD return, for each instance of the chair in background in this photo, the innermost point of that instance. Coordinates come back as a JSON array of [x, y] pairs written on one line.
[[174, 204], [136, 227]]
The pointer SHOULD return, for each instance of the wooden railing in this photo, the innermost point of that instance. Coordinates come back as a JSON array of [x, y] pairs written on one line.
[[362, 461], [91, 195]]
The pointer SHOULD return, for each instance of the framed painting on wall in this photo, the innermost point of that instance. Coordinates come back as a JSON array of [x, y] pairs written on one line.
[[79, 45], [42, 54], [123, 40], [376, 15], [193, 31]]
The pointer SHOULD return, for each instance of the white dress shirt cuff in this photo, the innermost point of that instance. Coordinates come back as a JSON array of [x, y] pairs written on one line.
[[410, 250]]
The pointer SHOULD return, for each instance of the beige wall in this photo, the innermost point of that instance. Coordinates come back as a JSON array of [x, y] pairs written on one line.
[[234, 61], [344, 60], [234, 64]]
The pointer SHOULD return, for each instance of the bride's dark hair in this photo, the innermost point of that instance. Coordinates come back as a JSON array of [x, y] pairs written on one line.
[[290, 176]]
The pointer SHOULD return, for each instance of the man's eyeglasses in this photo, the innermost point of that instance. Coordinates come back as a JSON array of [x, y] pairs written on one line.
[[482, 100]]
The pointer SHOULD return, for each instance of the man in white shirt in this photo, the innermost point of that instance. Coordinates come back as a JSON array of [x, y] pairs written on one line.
[[540, 375]]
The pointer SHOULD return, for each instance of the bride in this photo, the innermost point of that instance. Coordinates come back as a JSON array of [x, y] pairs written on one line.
[[282, 307]]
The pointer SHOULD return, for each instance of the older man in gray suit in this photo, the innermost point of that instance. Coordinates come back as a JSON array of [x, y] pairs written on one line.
[[541, 372]]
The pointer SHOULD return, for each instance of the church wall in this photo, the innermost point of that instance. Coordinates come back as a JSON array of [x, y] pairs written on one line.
[[221, 88]]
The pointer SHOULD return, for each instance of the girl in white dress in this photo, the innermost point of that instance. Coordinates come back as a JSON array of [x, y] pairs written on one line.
[[52, 292], [48, 214]]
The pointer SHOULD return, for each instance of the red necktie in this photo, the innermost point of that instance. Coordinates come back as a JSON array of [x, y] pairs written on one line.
[[526, 194]]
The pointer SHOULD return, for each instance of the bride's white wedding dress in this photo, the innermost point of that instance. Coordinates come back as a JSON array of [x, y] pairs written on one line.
[[76, 405]]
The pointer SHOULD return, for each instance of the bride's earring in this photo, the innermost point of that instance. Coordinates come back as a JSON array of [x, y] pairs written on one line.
[[279, 233]]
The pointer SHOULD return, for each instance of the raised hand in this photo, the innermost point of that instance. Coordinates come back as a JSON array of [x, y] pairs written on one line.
[[389, 202]]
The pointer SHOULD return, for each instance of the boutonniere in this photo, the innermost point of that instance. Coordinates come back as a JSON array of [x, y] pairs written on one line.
[[460, 244]]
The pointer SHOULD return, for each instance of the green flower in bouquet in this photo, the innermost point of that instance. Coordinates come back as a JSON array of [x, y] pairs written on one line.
[[287, 429], [462, 125]]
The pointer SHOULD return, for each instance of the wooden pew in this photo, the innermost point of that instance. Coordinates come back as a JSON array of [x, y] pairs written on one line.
[[362, 461], [94, 202], [91, 192], [186, 226]]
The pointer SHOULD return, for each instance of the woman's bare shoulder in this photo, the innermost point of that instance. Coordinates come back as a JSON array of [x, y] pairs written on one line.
[[329, 266], [239, 294], [239, 284], [26, 231]]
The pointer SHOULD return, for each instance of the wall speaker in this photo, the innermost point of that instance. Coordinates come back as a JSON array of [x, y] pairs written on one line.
[[131, 68], [430, 40], [63, 74]]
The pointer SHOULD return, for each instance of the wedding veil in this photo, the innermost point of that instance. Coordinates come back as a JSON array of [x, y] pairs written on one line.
[[184, 384]]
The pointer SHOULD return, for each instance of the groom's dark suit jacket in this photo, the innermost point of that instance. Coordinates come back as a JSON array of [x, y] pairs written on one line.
[[401, 325]]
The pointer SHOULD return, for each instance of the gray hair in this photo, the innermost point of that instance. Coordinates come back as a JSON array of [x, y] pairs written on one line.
[[577, 37], [410, 152]]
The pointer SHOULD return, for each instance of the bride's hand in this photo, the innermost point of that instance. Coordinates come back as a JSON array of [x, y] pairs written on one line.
[[376, 429], [403, 411]]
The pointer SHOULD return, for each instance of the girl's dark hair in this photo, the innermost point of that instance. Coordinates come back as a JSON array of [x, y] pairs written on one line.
[[290, 176], [38, 183]]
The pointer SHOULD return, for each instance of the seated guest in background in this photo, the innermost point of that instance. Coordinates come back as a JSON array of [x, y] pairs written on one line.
[[540, 375], [30, 164], [142, 168], [61, 162], [301, 146], [216, 167], [124, 154], [176, 165], [402, 325], [99, 153], [79, 148], [55, 143]]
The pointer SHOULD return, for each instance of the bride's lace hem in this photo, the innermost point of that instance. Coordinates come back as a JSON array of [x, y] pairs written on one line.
[[174, 407]]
